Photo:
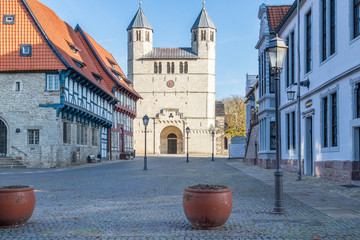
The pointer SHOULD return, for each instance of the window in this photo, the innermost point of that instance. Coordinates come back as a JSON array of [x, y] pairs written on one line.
[[225, 143], [292, 57], [78, 134], [293, 127], [181, 70], [212, 36], [332, 27], [17, 86], [356, 18], [168, 68], [94, 137], [172, 67], [33, 136], [147, 36], [186, 70], [194, 36], [67, 132], [73, 48], [203, 35], [160, 67], [155, 67], [114, 142], [287, 41], [308, 42], [79, 64], [358, 100], [324, 55], [291, 130], [288, 137], [138, 35], [9, 19], [272, 136], [334, 132], [52, 82], [325, 121], [25, 50]]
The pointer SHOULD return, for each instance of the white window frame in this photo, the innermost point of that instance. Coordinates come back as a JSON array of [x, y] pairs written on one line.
[[52, 82]]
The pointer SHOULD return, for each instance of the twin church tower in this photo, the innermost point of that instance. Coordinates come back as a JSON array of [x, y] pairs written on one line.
[[177, 86]]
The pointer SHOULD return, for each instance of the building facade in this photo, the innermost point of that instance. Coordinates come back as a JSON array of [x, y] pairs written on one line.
[[330, 105], [56, 104], [177, 86], [270, 17]]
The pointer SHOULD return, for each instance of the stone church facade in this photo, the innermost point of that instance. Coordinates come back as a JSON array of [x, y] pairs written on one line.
[[177, 86]]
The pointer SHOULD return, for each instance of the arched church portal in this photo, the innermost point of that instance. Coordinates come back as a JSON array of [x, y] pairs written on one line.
[[3, 139], [171, 140]]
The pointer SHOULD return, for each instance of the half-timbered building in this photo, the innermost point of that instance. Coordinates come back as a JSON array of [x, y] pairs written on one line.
[[57, 97]]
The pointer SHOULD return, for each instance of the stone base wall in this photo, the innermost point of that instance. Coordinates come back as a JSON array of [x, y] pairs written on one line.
[[342, 171]]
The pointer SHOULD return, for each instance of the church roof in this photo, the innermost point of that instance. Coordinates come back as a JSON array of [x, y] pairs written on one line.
[[171, 53], [140, 21], [203, 20]]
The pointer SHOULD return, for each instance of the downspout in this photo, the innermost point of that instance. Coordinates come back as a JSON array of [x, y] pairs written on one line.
[[298, 93]]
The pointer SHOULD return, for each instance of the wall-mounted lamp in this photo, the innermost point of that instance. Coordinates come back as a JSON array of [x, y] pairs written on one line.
[[290, 95]]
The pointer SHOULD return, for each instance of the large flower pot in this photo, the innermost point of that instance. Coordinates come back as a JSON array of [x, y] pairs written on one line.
[[207, 206], [17, 204]]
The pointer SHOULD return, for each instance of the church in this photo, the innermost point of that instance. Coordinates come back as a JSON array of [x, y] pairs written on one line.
[[177, 86]]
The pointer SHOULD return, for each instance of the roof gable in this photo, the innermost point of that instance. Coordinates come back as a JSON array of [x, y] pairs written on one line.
[[24, 31], [139, 21], [276, 14]]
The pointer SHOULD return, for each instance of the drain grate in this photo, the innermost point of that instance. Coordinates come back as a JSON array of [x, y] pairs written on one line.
[[351, 186]]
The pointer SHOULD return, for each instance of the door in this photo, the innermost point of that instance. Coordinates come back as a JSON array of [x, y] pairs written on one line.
[[172, 143], [172, 146], [3, 139], [309, 161]]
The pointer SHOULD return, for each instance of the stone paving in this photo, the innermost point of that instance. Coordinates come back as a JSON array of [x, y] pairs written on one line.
[[119, 200]]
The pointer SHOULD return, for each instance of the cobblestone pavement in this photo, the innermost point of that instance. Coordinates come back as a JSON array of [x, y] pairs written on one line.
[[121, 201]]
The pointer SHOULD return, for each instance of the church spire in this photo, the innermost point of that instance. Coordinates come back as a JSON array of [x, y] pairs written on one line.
[[203, 20], [140, 20]]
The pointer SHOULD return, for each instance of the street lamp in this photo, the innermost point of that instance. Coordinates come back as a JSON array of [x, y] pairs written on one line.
[[187, 133], [276, 52], [290, 95], [146, 122], [212, 134]]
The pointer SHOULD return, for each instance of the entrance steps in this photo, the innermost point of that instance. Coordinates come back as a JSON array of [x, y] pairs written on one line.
[[7, 162]]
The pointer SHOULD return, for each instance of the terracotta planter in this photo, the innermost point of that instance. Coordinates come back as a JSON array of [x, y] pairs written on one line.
[[17, 204], [207, 206]]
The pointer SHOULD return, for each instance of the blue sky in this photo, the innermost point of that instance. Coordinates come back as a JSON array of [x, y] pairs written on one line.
[[236, 21]]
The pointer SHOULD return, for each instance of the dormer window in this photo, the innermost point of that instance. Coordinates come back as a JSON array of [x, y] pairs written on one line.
[[73, 48], [25, 50], [9, 19], [97, 77], [79, 64], [112, 63], [117, 74]]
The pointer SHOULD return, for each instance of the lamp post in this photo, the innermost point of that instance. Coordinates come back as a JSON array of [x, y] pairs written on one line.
[[276, 52], [187, 154], [146, 122], [212, 156]]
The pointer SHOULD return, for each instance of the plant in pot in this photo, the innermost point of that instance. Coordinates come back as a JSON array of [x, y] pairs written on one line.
[[17, 204], [207, 206]]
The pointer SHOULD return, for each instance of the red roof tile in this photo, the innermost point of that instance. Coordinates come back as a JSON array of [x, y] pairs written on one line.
[[276, 14], [61, 35], [105, 57], [24, 31]]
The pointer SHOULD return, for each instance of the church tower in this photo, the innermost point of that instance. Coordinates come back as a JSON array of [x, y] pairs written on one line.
[[140, 39], [177, 86], [203, 34]]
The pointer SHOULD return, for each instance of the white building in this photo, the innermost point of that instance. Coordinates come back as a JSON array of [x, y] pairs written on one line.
[[330, 107], [177, 86]]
